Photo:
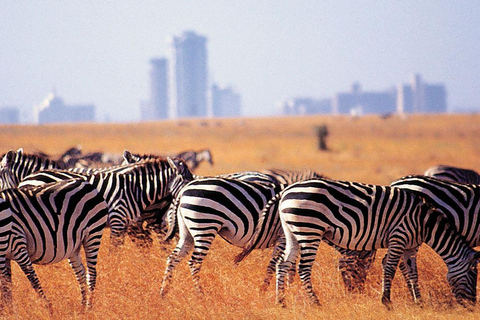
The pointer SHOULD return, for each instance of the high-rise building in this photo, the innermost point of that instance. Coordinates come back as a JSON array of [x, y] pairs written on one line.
[[420, 97], [187, 75], [360, 102], [54, 110], [225, 102], [157, 106]]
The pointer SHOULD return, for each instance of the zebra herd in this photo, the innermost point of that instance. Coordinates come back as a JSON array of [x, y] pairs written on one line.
[[49, 212]]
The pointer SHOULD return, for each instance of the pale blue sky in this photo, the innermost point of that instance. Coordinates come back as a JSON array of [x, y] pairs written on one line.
[[98, 52]]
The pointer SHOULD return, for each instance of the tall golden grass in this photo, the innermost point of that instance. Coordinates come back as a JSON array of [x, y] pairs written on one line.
[[368, 149]]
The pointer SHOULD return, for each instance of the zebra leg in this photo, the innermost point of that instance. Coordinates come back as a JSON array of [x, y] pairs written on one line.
[[353, 266], [23, 260], [118, 226], [274, 261], [200, 251], [308, 252], [77, 266], [184, 246], [285, 265], [6, 281], [408, 266], [394, 253]]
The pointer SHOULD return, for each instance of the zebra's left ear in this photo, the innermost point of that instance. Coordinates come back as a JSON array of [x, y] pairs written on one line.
[[127, 155], [8, 158]]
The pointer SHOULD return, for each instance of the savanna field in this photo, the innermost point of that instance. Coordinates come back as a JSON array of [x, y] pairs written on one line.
[[368, 149]]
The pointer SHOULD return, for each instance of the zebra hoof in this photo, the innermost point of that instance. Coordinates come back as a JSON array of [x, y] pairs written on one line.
[[281, 303], [387, 303]]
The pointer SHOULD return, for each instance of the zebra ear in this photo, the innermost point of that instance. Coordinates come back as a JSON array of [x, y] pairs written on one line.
[[476, 256], [20, 151], [127, 155], [173, 164], [8, 158]]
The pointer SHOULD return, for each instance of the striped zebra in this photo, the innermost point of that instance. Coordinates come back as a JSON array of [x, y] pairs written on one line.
[[459, 202], [364, 217], [192, 158], [128, 190], [47, 224], [355, 265], [453, 174], [228, 206], [17, 165]]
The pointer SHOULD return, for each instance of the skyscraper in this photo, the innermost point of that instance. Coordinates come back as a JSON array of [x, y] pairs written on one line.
[[187, 75], [159, 88]]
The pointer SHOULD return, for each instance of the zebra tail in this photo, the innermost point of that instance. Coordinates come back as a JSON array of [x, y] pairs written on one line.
[[171, 221], [253, 242]]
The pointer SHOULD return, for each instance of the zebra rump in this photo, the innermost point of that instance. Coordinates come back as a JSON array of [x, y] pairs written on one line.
[[365, 217], [453, 174]]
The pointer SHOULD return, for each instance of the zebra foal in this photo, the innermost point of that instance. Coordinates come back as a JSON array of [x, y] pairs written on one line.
[[47, 224], [363, 217]]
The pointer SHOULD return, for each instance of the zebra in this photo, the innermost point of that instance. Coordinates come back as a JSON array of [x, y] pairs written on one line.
[[128, 190], [354, 265], [47, 224], [460, 202], [229, 206], [17, 165], [365, 217], [192, 158], [453, 174]]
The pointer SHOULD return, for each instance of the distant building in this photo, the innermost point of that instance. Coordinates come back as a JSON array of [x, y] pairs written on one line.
[[54, 110], [420, 97], [9, 115], [303, 106], [225, 102], [359, 102], [157, 106], [188, 76]]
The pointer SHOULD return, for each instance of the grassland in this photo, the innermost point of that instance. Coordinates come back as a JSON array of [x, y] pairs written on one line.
[[368, 149]]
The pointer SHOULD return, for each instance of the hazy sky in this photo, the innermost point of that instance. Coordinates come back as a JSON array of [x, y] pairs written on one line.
[[98, 51]]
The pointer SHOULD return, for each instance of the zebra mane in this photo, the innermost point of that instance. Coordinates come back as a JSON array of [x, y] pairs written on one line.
[[252, 243]]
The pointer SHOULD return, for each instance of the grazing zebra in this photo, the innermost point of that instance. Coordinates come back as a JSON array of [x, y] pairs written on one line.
[[354, 265], [194, 158], [453, 174], [47, 224], [128, 190], [17, 165], [230, 207], [363, 217]]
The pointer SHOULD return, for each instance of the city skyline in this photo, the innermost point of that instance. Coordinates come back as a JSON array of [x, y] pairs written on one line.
[[98, 53]]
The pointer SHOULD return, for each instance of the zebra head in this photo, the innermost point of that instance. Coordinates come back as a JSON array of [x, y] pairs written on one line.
[[129, 157], [183, 175], [205, 155], [7, 178], [463, 278]]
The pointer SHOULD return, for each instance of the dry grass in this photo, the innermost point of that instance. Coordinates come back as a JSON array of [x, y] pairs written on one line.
[[368, 149]]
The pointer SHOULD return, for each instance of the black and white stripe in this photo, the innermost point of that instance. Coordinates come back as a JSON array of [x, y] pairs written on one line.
[[354, 265], [453, 174], [48, 224], [229, 206], [128, 190], [15, 166], [365, 217]]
